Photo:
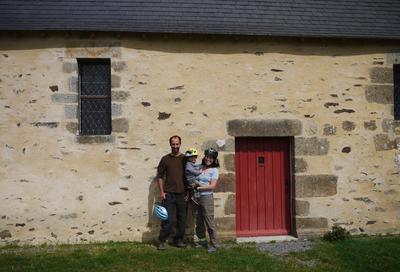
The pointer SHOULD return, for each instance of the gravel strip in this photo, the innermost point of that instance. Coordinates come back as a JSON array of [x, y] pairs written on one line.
[[284, 247]]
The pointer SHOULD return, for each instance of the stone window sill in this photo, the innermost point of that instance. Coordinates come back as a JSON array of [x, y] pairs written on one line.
[[95, 139]]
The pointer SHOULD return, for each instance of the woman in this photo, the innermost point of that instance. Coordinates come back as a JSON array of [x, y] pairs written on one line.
[[205, 210]]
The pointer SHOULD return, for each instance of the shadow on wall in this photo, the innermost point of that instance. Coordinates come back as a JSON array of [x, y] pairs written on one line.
[[153, 224], [211, 44]]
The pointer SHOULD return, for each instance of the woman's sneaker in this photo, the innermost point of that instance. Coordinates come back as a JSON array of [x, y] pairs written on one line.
[[212, 249]]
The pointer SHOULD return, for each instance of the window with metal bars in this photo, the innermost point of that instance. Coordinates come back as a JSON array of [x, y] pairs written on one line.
[[396, 95], [94, 96]]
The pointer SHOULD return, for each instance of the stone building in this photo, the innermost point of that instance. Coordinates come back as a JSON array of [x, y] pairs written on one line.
[[301, 99]]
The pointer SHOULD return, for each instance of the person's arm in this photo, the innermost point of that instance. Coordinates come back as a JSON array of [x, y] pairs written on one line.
[[190, 169], [213, 181], [211, 186], [161, 186], [161, 170]]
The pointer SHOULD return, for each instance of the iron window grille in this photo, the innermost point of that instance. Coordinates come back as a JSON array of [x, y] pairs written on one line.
[[396, 95], [94, 96]]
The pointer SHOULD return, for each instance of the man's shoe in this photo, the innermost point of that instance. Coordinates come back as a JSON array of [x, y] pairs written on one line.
[[180, 244], [162, 246]]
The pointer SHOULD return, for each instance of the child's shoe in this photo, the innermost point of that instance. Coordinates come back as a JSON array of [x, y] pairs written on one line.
[[195, 200], [196, 194]]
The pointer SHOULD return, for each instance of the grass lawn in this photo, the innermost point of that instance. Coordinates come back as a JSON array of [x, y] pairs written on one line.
[[356, 254]]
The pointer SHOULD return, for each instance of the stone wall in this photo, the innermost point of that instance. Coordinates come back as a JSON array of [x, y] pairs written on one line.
[[334, 97]]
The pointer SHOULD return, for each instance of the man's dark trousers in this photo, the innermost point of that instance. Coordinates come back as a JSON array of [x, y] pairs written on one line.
[[174, 201]]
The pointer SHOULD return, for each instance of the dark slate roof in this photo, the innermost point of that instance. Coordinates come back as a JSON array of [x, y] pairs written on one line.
[[307, 18]]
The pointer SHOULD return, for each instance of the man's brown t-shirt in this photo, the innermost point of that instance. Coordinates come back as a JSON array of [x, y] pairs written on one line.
[[172, 170]]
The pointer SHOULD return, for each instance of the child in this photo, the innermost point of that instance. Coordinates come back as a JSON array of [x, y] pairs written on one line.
[[192, 171]]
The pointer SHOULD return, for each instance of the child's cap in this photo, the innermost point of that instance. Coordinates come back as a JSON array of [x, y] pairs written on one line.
[[191, 152]]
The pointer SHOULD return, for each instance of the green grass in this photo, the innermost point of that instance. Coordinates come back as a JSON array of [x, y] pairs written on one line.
[[356, 254]]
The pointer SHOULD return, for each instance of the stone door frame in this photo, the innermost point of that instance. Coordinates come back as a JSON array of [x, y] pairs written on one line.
[[272, 128]]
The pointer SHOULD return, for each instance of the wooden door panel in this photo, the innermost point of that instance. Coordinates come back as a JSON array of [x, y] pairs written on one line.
[[252, 180], [260, 168], [263, 201]]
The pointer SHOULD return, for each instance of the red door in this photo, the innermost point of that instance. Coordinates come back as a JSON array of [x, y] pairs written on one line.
[[262, 186]]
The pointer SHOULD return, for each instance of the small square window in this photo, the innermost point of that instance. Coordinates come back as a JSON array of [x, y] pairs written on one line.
[[94, 96]]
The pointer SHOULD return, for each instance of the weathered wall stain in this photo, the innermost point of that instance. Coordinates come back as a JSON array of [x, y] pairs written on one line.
[[5, 234], [163, 115]]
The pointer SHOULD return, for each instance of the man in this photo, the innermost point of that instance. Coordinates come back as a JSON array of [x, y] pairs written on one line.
[[170, 176]]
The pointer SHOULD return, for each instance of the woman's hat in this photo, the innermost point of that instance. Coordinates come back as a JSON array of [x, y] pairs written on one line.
[[211, 152]]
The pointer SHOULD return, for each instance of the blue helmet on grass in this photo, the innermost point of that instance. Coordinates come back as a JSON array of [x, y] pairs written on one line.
[[160, 212]]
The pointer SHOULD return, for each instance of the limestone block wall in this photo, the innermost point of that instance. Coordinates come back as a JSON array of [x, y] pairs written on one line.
[[59, 187]]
